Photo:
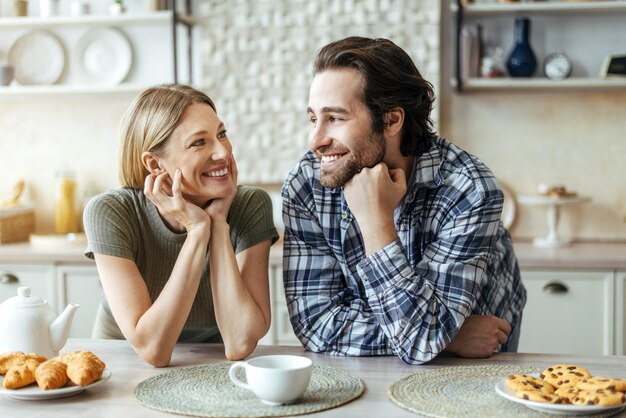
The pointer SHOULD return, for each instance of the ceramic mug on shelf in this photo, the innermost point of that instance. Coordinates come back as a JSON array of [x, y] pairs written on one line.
[[7, 72], [277, 379], [48, 8]]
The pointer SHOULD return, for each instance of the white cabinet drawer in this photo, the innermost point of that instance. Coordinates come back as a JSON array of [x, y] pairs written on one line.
[[568, 312], [40, 279]]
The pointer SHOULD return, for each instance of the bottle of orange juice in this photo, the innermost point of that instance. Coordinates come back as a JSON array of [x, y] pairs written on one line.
[[65, 221]]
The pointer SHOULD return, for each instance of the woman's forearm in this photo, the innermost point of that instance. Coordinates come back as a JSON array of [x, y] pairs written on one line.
[[240, 317], [158, 329]]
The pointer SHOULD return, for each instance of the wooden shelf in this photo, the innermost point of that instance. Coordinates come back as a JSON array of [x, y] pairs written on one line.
[[89, 20], [542, 7], [475, 84]]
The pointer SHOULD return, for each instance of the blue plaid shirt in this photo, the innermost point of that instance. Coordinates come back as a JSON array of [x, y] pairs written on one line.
[[452, 258]]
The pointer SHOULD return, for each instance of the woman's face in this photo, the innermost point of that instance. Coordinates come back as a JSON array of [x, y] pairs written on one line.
[[200, 148]]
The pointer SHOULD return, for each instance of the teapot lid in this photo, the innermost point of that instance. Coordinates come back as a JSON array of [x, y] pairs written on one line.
[[24, 298]]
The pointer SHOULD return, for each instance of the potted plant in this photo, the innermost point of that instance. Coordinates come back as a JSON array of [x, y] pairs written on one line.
[[117, 8]]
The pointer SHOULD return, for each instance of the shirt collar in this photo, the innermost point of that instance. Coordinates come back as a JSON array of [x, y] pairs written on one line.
[[426, 172]]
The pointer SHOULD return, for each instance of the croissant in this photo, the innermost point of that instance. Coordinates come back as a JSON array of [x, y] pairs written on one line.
[[69, 357], [15, 358], [84, 371], [21, 375], [83, 367], [51, 374]]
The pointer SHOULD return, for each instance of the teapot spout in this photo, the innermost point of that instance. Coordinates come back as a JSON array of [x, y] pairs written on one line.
[[60, 328]]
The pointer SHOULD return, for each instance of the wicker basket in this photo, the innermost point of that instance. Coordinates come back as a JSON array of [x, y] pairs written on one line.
[[16, 224]]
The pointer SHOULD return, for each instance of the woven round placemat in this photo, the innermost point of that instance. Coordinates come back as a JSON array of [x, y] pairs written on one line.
[[463, 392], [207, 391]]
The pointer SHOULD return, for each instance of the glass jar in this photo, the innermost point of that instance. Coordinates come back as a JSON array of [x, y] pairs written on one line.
[[65, 219]]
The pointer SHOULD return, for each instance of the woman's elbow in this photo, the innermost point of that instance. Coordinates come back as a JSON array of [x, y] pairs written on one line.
[[240, 349], [154, 355]]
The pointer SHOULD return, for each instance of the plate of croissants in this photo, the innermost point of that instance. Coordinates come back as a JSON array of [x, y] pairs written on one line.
[[29, 376]]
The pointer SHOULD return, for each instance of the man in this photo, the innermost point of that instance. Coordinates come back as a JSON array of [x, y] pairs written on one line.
[[393, 243]]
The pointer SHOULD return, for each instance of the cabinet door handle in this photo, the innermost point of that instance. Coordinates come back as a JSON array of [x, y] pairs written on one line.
[[8, 278], [555, 288]]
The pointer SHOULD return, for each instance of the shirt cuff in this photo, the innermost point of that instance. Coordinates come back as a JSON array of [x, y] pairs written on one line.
[[384, 267]]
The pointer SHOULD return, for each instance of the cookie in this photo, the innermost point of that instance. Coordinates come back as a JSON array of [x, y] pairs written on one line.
[[538, 396], [526, 382], [595, 383], [568, 392], [564, 374], [602, 397]]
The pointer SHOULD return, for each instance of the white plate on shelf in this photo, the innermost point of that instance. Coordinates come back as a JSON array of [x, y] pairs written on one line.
[[503, 390], [38, 58], [104, 56], [33, 393]]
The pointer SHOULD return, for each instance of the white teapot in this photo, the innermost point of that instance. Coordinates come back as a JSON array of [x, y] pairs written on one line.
[[29, 324]]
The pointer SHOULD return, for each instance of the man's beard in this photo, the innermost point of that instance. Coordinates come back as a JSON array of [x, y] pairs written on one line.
[[367, 154]]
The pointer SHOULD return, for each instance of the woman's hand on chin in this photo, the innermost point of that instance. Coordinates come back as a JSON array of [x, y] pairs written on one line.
[[167, 196], [218, 208]]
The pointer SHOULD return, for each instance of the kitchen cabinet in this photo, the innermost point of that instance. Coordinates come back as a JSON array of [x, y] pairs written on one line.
[[39, 277], [620, 313], [81, 285], [60, 284], [568, 312], [280, 331], [155, 38], [587, 31]]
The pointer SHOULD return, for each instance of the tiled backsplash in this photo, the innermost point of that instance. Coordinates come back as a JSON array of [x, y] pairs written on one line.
[[259, 77]]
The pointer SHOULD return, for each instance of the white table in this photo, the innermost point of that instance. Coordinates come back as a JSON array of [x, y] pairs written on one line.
[[115, 397]]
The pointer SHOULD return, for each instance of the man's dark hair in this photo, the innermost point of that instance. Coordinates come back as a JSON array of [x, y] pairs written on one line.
[[391, 80]]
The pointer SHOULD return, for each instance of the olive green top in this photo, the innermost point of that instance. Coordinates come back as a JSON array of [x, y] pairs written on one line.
[[124, 223]]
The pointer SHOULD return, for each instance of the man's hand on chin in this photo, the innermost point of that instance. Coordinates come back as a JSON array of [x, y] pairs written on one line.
[[372, 195]]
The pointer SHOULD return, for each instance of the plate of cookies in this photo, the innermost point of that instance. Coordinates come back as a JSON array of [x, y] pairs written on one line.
[[33, 377], [565, 389]]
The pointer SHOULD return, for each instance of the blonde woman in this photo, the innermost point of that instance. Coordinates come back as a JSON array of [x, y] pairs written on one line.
[[181, 250]]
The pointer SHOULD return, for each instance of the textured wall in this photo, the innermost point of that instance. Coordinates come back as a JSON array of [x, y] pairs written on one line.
[[256, 56], [257, 65]]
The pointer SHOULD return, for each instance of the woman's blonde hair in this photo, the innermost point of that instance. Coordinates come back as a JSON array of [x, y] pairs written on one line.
[[148, 124]]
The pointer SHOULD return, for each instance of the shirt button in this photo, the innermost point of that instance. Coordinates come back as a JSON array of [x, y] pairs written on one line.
[[344, 215]]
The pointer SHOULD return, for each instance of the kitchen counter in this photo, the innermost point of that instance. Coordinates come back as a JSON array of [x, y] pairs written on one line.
[[115, 397], [588, 255], [23, 252], [583, 255]]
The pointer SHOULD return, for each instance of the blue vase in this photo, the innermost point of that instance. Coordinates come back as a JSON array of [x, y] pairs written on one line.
[[522, 61]]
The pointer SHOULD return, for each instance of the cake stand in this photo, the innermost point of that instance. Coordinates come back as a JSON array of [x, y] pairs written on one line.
[[553, 204]]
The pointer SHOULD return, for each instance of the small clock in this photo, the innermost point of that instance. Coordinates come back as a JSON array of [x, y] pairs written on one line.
[[557, 66]]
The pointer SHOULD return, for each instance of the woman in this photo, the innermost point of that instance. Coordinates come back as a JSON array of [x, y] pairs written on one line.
[[181, 251]]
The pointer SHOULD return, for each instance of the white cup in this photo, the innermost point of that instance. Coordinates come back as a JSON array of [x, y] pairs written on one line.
[[276, 380], [80, 8], [49, 8]]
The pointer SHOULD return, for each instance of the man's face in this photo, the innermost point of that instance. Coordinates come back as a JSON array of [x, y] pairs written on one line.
[[341, 127]]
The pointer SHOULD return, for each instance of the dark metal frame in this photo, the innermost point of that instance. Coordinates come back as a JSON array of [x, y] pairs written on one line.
[[457, 51], [189, 25]]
